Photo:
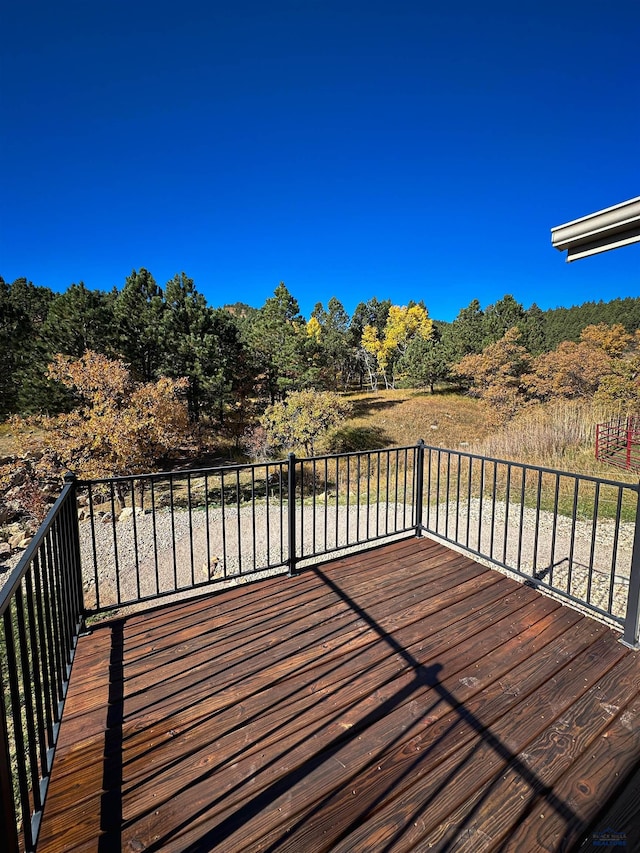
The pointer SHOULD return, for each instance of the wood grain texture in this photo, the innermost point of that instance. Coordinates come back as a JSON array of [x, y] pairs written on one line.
[[403, 698]]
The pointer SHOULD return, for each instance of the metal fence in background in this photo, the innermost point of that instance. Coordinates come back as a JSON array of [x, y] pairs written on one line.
[[618, 443]]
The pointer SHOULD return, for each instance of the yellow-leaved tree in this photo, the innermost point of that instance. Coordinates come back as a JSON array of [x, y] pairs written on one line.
[[404, 323]]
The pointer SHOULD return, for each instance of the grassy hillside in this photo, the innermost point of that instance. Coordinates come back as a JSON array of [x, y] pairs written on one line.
[[559, 435], [403, 417]]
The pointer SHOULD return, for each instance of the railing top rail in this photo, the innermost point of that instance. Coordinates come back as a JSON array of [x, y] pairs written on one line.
[[20, 570], [180, 472], [246, 466], [352, 453], [634, 487], [241, 466]]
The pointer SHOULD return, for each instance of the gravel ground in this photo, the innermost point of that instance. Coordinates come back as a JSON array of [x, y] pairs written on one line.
[[563, 551], [559, 553], [205, 553]]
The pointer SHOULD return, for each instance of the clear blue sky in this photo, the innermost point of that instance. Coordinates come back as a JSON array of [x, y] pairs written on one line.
[[351, 148]]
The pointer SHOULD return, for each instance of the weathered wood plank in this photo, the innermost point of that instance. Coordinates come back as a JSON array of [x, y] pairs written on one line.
[[449, 760], [547, 758], [354, 741], [588, 787], [456, 703]]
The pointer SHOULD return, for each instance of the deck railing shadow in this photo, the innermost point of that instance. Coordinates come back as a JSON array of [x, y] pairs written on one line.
[[111, 545], [426, 676]]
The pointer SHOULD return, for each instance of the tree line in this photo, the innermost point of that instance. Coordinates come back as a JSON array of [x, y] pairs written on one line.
[[238, 358], [603, 365]]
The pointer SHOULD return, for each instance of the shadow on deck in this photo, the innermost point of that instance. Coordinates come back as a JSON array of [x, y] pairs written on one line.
[[403, 698]]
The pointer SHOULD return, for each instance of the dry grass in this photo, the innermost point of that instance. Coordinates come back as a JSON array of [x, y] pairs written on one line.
[[16, 439], [555, 435], [7, 440], [400, 418]]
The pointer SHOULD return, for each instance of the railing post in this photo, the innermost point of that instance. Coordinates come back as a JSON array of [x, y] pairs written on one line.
[[631, 636], [419, 493], [291, 508]]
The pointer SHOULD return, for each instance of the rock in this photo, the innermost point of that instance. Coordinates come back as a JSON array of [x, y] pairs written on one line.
[[127, 512], [16, 540], [211, 570], [18, 477], [5, 550], [83, 514], [6, 513]]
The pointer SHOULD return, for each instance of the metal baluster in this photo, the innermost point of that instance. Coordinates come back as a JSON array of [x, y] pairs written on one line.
[[238, 526], [614, 549], [522, 508], [506, 514], [135, 536], [554, 528], [190, 519], [94, 549], [572, 540], [155, 536]]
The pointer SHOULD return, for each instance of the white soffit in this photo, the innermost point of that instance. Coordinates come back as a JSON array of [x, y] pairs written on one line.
[[606, 229]]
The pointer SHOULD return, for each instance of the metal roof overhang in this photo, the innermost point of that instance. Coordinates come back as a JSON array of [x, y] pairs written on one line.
[[606, 229]]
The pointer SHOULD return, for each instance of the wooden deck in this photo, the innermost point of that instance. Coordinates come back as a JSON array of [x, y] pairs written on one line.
[[401, 699]]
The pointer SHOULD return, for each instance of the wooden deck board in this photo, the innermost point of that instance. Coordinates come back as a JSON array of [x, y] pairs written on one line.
[[404, 698]]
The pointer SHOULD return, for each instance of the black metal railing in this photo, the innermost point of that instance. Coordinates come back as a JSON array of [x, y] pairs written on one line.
[[41, 613], [125, 541], [351, 499], [145, 537], [573, 535]]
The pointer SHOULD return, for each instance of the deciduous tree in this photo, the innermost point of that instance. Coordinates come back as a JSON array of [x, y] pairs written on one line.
[[119, 426], [613, 340], [496, 374], [572, 370], [404, 324], [303, 419]]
